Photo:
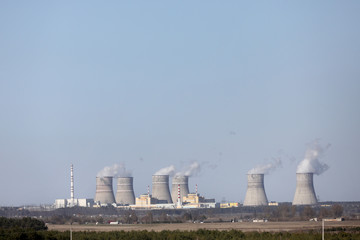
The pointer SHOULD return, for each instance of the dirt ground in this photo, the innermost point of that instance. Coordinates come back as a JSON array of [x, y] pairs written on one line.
[[243, 226]]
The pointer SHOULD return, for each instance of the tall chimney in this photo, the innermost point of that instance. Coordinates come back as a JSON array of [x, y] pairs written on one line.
[[125, 191], [104, 190], [305, 192], [72, 184], [255, 194], [183, 181], [160, 188]]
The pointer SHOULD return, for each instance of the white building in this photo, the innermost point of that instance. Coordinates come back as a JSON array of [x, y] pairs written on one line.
[[79, 202]]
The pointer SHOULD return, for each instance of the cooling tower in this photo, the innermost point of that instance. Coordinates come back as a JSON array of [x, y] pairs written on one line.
[[125, 191], [255, 194], [104, 190], [160, 188], [183, 181], [305, 192]]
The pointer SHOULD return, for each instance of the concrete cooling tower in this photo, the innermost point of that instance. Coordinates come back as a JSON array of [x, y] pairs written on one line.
[[125, 191], [305, 192], [255, 194], [160, 188], [104, 190], [183, 181]]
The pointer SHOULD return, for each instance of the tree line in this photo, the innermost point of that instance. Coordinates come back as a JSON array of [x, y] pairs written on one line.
[[200, 234]]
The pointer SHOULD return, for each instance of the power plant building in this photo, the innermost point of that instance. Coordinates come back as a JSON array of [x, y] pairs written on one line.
[[79, 202], [72, 202], [194, 200]]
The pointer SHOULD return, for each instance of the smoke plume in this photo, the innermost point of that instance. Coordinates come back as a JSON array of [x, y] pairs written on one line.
[[311, 162], [266, 168], [170, 170], [191, 170], [116, 170], [194, 168]]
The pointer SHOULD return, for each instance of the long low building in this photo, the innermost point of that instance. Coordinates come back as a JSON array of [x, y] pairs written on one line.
[[80, 202]]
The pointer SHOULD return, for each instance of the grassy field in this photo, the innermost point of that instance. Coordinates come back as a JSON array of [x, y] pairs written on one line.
[[243, 226]]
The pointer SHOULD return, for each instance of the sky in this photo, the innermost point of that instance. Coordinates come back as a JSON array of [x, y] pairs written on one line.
[[149, 84]]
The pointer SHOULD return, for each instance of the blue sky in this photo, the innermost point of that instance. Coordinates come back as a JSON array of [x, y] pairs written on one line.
[[153, 83]]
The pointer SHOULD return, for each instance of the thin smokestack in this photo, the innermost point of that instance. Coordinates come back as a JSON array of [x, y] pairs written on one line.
[[72, 183]]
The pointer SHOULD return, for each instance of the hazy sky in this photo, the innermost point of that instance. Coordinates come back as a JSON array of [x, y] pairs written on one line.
[[230, 84]]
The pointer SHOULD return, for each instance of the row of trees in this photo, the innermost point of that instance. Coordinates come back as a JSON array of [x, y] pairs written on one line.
[[22, 223], [201, 234], [284, 212], [288, 212], [129, 217]]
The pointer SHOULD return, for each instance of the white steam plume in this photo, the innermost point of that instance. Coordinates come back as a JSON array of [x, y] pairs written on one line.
[[194, 168], [266, 168], [116, 170], [170, 170], [311, 162]]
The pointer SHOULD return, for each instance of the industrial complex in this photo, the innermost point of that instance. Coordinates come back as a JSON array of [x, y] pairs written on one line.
[[179, 197]]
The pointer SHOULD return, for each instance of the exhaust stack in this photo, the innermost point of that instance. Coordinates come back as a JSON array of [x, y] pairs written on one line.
[[255, 194], [72, 185]]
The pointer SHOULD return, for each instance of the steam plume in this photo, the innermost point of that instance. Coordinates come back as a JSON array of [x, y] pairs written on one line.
[[311, 162], [266, 168], [166, 171], [192, 170], [116, 170]]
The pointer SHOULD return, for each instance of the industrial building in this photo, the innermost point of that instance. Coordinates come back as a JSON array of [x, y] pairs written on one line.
[[179, 197], [72, 201], [79, 202], [229, 205]]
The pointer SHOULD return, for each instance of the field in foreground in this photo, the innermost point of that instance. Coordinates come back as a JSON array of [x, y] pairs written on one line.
[[242, 226]]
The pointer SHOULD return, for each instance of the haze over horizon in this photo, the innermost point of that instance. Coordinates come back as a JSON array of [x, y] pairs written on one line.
[[230, 85]]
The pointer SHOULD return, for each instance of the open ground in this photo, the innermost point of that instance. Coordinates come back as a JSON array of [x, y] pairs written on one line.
[[243, 226]]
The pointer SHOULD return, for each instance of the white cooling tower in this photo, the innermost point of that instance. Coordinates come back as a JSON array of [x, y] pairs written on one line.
[[255, 194], [160, 188], [183, 181], [125, 191], [104, 190], [305, 192]]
